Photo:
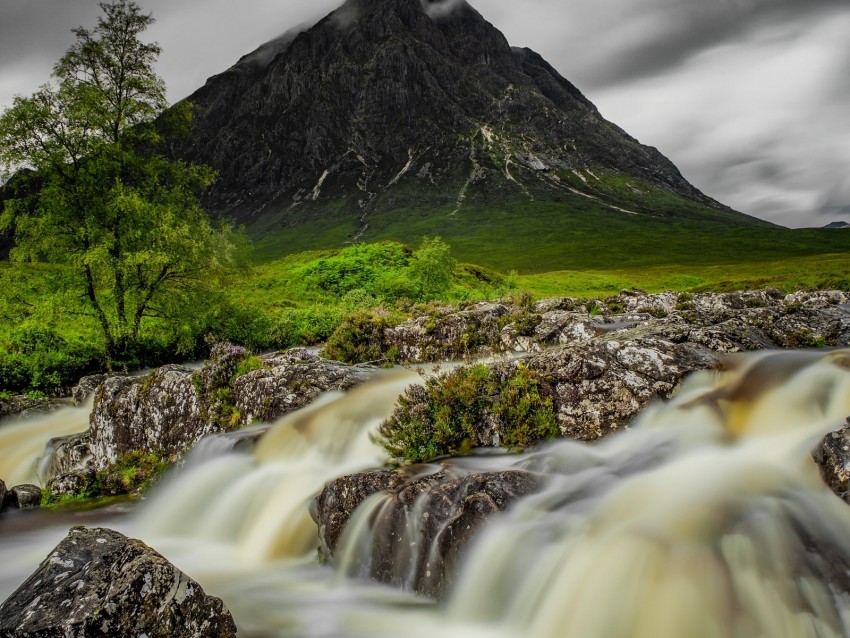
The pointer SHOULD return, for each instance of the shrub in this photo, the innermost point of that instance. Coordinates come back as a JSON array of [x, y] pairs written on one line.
[[359, 339], [468, 407]]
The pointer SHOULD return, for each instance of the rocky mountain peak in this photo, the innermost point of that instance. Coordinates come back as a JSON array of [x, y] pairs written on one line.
[[386, 105]]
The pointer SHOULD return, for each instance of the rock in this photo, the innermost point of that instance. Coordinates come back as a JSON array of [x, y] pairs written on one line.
[[24, 406], [289, 381], [159, 413], [65, 454], [71, 484], [97, 582], [168, 411], [87, 386], [833, 458], [23, 497], [599, 387], [426, 520], [2, 494]]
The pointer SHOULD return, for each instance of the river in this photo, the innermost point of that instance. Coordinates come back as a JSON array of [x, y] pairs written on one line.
[[707, 518]]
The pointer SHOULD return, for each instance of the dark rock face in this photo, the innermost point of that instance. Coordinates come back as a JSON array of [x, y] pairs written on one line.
[[2, 494], [23, 497], [426, 518], [379, 106], [98, 582], [833, 458]]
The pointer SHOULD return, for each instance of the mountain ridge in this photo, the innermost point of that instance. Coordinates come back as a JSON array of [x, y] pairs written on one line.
[[379, 107]]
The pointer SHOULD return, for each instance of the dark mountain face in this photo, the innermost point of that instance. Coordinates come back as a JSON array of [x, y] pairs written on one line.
[[382, 107]]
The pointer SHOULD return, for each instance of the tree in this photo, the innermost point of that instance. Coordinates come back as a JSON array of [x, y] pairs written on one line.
[[433, 266], [99, 197]]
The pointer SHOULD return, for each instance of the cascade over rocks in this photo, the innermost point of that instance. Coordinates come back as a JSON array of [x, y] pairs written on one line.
[[169, 410], [99, 582], [419, 530]]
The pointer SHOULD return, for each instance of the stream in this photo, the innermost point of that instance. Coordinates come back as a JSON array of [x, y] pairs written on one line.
[[707, 518]]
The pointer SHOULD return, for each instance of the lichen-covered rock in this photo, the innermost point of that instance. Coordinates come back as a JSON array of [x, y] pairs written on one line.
[[97, 582], [289, 381], [86, 387], [71, 484], [425, 521], [23, 497], [599, 387], [159, 413], [169, 410]]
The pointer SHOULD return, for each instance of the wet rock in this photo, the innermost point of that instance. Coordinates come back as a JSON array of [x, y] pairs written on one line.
[[71, 484], [833, 458], [24, 406], [2, 494], [97, 582], [426, 518], [65, 454], [23, 497], [289, 381], [87, 386]]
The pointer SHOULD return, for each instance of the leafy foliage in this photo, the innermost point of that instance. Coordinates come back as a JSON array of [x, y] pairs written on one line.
[[100, 200], [467, 407]]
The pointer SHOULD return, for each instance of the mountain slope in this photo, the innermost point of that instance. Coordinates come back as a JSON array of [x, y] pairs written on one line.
[[382, 121]]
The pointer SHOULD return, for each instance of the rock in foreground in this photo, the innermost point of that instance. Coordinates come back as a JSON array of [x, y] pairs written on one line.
[[97, 582]]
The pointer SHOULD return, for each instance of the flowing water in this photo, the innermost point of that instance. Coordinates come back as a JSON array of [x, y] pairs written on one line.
[[706, 519], [23, 440]]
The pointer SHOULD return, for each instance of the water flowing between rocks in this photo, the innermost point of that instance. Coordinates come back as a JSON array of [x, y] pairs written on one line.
[[707, 518]]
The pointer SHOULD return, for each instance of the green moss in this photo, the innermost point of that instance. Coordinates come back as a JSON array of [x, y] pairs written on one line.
[[361, 338]]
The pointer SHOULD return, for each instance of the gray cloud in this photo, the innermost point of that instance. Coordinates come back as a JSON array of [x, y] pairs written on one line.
[[748, 97]]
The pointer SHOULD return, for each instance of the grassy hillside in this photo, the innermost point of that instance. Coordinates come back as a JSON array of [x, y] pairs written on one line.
[[47, 339], [567, 232]]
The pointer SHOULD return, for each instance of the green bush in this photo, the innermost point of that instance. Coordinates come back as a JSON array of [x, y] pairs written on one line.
[[360, 339], [468, 407]]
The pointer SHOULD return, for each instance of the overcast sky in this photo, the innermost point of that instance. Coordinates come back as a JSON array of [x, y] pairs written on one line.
[[749, 98]]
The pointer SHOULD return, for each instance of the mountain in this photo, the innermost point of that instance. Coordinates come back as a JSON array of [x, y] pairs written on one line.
[[398, 118], [837, 225]]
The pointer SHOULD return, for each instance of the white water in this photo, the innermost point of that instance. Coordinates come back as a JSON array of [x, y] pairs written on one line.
[[22, 441], [708, 519]]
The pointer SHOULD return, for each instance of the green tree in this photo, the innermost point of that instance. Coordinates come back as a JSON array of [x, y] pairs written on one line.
[[98, 196], [433, 266]]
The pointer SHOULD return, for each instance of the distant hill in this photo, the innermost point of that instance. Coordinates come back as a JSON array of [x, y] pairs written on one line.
[[386, 120], [837, 225]]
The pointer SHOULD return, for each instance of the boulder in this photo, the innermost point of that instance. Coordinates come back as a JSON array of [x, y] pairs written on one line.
[[833, 458], [97, 582], [168, 411], [2, 494], [599, 387], [289, 381], [24, 406], [158, 413], [65, 454], [71, 484], [23, 497], [86, 387], [426, 519]]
